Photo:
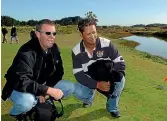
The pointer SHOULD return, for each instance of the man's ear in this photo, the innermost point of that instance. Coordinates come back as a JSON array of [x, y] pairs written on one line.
[[81, 35], [37, 34]]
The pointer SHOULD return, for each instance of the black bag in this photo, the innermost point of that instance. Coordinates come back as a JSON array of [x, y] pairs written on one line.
[[45, 111]]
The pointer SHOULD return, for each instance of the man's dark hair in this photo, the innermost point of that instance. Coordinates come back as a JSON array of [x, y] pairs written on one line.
[[44, 21], [85, 22]]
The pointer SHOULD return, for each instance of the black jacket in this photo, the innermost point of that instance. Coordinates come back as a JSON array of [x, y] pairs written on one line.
[[4, 31], [23, 74], [33, 35], [13, 31]]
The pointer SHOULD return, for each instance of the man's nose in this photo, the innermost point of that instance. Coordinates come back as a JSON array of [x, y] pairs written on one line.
[[52, 36]]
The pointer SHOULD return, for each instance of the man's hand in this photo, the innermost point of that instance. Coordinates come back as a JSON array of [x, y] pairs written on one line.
[[55, 93], [103, 86], [41, 99]]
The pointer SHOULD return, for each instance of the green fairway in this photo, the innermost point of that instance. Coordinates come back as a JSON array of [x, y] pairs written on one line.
[[140, 99]]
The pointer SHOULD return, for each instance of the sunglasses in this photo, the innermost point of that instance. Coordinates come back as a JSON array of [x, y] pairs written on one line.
[[48, 33]]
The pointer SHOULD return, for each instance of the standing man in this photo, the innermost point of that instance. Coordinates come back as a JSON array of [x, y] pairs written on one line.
[[36, 72], [14, 35], [4, 32], [87, 52], [32, 34]]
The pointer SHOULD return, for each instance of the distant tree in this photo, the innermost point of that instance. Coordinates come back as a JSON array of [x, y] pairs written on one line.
[[68, 21], [76, 19], [23, 23], [32, 22], [156, 25], [139, 25], [91, 15], [8, 21]]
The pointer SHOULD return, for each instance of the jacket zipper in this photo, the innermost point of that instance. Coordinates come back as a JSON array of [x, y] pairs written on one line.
[[39, 69]]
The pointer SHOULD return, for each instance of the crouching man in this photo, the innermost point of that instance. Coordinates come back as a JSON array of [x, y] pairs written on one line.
[[36, 72], [86, 56]]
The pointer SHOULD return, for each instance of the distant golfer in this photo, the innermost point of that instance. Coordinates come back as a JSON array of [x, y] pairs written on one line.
[[32, 34], [4, 32], [14, 35]]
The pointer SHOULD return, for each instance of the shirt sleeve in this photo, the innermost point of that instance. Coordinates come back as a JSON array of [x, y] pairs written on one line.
[[119, 63]]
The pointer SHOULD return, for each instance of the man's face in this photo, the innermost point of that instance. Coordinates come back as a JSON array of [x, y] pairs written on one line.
[[46, 36], [89, 34]]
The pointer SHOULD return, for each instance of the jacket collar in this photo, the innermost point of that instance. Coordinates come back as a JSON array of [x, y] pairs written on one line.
[[82, 47], [37, 47]]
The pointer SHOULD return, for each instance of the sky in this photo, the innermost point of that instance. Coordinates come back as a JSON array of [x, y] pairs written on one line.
[[108, 12]]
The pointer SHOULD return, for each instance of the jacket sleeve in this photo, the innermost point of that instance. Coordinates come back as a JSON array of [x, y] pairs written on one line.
[[79, 74], [21, 72], [119, 63]]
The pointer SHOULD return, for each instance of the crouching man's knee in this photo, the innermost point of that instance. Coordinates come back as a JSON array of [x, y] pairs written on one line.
[[82, 92]]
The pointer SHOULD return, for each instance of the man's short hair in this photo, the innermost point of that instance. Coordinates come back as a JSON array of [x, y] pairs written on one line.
[[85, 22], [44, 21]]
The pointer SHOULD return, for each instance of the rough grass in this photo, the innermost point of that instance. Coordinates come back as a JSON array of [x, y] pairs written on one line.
[[140, 100]]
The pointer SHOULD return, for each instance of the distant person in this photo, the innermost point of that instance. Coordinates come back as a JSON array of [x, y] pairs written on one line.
[[32, 34], [4, 32], [97, 64], [36, 72], [14, 35]]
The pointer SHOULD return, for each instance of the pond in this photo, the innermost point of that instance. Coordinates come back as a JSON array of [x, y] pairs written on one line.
[[151, 45]]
